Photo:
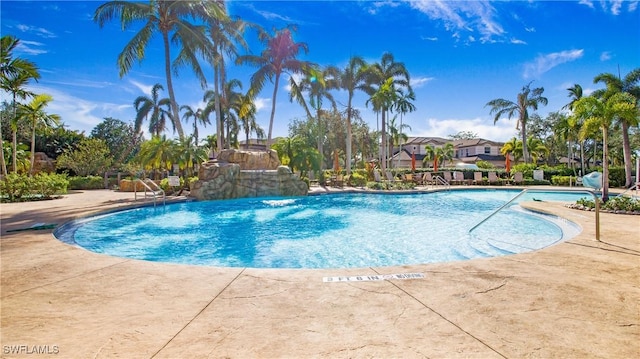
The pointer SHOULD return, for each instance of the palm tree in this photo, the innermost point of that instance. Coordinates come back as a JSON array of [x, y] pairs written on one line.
[[15, 73], [526, 99], [537, 149], [601, 113], [35, 113], [386, 79], [448, 152], [159, 153], [352, 78], [510, 148], [630, 85], [166, 17], [245, 108], [317, 85], [572, 123], [154, 107], [197, 116], [404, 105], [225, 33], [396, 135], [278, 57], [188, 154]]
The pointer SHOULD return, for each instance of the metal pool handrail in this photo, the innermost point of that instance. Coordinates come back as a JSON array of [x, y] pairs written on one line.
[[595, 197]]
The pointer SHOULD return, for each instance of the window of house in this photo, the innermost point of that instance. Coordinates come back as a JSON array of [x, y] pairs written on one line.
[[467, 152], [487, 150]]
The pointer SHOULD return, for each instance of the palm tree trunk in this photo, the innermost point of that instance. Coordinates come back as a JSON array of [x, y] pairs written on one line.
[[626, 151], [349, 135], [383, 162], [525, 151], [33, 148], [4, 164], [273, 109], [14, 137], [172, 97], [605, 165], [216, 104], [320, 138]]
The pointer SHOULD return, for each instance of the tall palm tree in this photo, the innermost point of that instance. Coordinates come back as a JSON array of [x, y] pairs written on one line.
[[631, 85], [171, 20], [198, 117], [225, 33], [317, 85], [386, 79], [245, 108], [15, 73], [573, 123], [396, 134], [601, 113], [278, 57], [159, 153], [35, 113], [153, 108], [353, 77], [527, 99]]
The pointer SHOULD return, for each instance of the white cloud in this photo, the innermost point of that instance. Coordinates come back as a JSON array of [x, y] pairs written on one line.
[[81, 114], [605, 56], [261, 102], [544, 63], [502, 131], [146, 89], [517, 42], [417, 82], [30, 48], [615, 7], [432, 38], [458, 16], [588, 3], [42, 32]]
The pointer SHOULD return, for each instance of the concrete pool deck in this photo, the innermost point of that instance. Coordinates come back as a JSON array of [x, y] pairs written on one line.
[[577, 299]]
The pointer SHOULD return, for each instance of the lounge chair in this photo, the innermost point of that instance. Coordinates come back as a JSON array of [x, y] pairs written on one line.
[[493, 178], [376, 176], [477, 178], [518, 178], [390, 177], [408, 177], [458, 177], [427, 179], [447, 177], [418, 179]]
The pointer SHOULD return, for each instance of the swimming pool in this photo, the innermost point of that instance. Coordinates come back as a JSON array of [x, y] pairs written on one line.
[[327, 231]]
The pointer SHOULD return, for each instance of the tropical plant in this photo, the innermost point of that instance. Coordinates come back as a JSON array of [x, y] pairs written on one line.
[[513, 147], [34, 112], [527, 99], [197, 116], [537, 149], [168, 18], [187, 154], [225, 32], [317, 85], [630, 85], [298, 155], [92, 157], [15, 74], [159, 153], [601, 113], [120, 137], [387, 80], [154, 109], [245, 108], [278, 57], [353, 77]]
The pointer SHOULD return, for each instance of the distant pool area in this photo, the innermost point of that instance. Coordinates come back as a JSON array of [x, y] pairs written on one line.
[[326, 231]]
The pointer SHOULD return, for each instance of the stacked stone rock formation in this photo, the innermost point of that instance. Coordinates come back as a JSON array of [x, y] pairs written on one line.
[[239, 174]]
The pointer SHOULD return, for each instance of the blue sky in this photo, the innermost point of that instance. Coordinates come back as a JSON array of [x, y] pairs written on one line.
[[460, 55]]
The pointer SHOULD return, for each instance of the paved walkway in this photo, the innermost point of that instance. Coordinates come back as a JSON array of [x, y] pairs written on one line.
[[577, 299]]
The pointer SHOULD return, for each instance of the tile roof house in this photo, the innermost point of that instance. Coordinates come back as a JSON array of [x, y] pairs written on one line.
[[467, 151]]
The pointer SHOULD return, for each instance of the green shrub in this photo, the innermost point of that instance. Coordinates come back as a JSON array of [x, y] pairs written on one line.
[[357, 179], [563, 181], [16, 188], [617, 203], [86, 182]]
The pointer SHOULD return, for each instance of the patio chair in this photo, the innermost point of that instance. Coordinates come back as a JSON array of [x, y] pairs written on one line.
[[458, 177], [427, 179], [477, 178], [376, 176], [408, 177], [418, 178], [518, 178], [493, 178], [447, 177], [390, 177]]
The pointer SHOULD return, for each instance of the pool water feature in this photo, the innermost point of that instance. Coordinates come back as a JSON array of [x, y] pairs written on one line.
[[327, 231]]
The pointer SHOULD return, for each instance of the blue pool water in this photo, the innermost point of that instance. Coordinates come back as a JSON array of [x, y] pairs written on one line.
[[328, 231]]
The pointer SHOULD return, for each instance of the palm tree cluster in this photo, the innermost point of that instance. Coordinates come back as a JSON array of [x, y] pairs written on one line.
[[588, 119], [15, 74]]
